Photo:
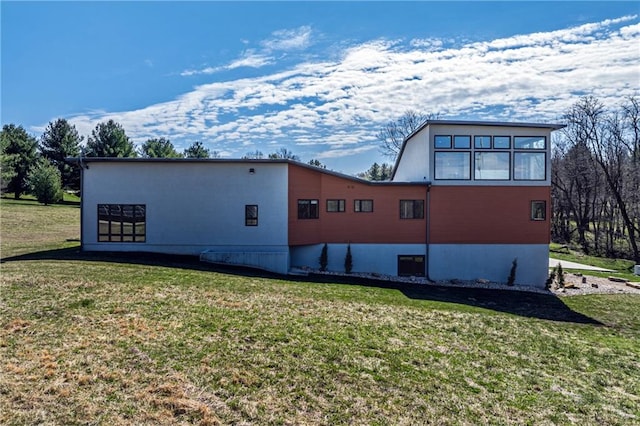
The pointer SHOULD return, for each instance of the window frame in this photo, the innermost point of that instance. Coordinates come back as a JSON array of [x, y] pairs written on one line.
[[310, 202], [357, 205], [414, 208], [533, 214], [341, 205], [249, 219], [138, 223]]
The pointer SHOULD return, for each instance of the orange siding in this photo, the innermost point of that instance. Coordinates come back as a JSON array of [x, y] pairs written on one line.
[[382, 226], [488, 214]]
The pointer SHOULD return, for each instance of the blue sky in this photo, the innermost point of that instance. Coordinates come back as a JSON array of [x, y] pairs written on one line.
[[318, 78]]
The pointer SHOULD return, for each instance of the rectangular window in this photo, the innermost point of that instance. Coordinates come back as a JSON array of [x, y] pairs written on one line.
[[122, 223], [411, 209], [462, 142], [442, 141], [411, 266], [491, 166], [335, 206], [534, 142], [529, 165], [453, 165], [538, 210], [251, 215], [502, 142], [482, 142], [363, 206], [308, 209]]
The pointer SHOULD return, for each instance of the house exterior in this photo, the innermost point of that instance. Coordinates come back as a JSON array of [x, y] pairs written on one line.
[[465, 200]]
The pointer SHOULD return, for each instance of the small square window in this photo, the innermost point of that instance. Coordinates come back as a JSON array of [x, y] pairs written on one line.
[[538, 210], [251, 215], [442, 141], [462, 142], [363, 206], [335, 206]]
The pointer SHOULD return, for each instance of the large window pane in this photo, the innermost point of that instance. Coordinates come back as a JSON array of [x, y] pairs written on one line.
[[453, 165], [533, 142], [529, 166], [121, 222], [491, 165]]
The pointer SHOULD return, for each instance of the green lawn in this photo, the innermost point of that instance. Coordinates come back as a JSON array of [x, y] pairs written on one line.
[[87, 339], [622, 268]]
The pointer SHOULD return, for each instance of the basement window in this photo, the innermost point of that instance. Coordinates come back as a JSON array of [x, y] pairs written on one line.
[[122, 223]]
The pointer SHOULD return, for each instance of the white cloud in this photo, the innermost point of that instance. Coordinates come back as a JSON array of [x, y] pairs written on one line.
[[296, 39], [333, 109]]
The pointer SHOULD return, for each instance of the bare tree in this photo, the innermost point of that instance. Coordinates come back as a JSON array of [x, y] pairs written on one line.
[[393, 134]]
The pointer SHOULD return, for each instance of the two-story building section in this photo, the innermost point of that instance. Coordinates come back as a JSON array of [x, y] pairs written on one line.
[[465, 200]]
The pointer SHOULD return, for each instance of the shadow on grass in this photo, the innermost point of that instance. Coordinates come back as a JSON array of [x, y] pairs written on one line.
[[527, 304]]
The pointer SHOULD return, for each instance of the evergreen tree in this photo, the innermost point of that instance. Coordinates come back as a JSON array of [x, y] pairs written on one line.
[[110, 140], [348, 260], [196, 150], [159, 148], [19, 154], [45, 182], [59, 141], [324, 258]]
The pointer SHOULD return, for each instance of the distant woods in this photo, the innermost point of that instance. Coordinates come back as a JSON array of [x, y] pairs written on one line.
[[595, 168]]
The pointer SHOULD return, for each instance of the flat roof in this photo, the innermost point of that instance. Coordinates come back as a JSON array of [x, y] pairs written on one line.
[[134, 160]]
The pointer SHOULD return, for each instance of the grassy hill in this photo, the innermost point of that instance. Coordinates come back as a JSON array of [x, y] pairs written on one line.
[[115, 339]]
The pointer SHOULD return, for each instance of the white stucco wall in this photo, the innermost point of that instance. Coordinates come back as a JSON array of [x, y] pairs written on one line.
[[490, 261], [413, 165], [373, 258], [191, 206]]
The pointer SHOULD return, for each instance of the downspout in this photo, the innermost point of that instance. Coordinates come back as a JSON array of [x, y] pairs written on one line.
[[427, 235]]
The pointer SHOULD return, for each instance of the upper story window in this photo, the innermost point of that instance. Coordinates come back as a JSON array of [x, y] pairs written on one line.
[[529, 165], [363, 206], [529, 142], [122, 223], [482, 142], [490, 165], [502, 142], [453, 165], [462, 142], [411, 209], [334, 206], [442, 141], [308, 209], [251, 215]]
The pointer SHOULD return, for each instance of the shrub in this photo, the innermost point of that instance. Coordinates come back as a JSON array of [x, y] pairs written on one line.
[[560, 276], [511, 280], [324, 258], [348, 260], [551, 279], [45, 183]]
